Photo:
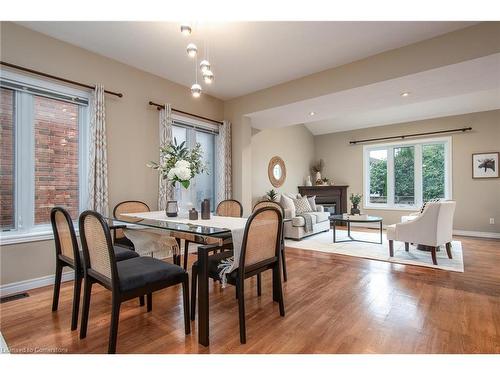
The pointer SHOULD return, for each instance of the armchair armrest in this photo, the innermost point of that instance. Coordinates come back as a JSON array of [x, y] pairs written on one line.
[[320, 208]]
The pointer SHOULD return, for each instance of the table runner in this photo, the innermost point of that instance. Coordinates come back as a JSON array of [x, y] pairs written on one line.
[[235, 224]]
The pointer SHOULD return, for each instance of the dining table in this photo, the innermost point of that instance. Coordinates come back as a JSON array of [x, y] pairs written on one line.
[[218, 230]]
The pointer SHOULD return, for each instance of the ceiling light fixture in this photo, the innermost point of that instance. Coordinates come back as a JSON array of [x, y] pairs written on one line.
[[186, 30], [196, 88], [312, 113], [405, 94], [204, 66], [192, 50], [208, 77]]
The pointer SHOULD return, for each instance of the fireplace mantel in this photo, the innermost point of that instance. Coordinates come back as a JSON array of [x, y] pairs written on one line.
[[328, 195]]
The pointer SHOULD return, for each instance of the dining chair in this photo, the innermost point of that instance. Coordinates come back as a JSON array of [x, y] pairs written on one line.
[[229, 207], [126, 207], [68, 255], [279, 207], [127, 279], [260, 251]]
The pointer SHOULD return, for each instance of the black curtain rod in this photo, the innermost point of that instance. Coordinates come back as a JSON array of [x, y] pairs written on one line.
[[18, 67], [410, 135], [160, 106]]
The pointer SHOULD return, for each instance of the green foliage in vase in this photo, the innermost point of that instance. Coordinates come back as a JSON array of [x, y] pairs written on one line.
[[355, 199], [179, 164], [272, 195]]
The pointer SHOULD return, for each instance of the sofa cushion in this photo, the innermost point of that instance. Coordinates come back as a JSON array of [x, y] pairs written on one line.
[[301, 205], [322, 216], [312, 202]]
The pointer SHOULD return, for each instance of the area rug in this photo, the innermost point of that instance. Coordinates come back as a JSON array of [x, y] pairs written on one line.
[[323, 242]]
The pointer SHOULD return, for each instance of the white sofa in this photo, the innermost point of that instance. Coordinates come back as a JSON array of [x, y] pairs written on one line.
[[294, 227], [432, 228]]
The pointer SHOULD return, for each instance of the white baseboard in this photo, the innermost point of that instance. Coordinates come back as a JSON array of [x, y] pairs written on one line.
[[471, 233], [23, 286]]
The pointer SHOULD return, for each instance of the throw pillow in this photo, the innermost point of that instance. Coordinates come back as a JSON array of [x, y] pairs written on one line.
[[287, 204], [301, 205], [312, 202]]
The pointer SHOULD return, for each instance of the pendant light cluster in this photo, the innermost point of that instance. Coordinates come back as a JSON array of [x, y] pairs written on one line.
[[205, 68]]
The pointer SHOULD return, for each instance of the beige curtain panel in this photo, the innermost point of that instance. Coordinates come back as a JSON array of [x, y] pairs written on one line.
[[223, 175], [98, 166], [165, 189]]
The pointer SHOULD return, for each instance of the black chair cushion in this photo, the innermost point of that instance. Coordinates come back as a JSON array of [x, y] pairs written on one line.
[[142, 271], [122, 254], [213, 263]]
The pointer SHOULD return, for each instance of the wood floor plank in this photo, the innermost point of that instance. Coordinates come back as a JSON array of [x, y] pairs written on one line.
[[334, 304]]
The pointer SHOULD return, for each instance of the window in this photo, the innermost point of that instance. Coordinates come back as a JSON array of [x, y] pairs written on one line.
[[406, 174], [44, 140], [203, 185]]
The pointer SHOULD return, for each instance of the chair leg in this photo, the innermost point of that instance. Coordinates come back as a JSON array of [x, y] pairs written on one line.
[[185, 296], [113, 329], [241, 308], [57, 286], [141, 300], [281, 301], [259, 284], [433, 253], [283, 262], [448, 250], [194, 279], [391, 248], [407, 246], [76, 300], [87, 291], [186, 254], [150, 301]]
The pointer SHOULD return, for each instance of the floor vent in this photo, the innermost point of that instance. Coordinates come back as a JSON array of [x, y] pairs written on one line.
[[14, 297]]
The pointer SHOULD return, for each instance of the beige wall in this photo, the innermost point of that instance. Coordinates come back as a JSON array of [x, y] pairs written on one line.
[[477, 200], [131, 126], [476, 41], [294, 144]]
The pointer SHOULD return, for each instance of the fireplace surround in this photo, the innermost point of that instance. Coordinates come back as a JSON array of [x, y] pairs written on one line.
[[332, 197]]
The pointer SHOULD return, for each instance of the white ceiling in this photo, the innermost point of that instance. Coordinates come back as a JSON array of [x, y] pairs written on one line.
[[467, 87], [246, 56]]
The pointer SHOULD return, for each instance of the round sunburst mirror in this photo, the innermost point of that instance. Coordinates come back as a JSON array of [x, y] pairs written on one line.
[[276, 171]]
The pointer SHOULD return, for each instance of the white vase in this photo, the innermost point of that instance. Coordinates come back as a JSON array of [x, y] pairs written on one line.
[[183, 197], [318, 176], [308, 181]]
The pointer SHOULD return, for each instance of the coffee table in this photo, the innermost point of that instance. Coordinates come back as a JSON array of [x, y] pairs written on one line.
[[352, 219]]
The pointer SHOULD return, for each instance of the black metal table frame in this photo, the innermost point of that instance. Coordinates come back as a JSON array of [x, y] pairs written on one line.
[[351, 239]]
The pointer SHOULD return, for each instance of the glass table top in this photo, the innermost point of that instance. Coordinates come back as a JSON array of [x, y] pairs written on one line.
[[171, 226], [354, 219]]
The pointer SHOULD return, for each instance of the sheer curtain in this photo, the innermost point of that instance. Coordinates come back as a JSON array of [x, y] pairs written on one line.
[[98, 166], [165, 189], [223, 171]]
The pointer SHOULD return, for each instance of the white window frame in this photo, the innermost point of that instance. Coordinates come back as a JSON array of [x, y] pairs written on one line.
[[25, 229], [418, 143]]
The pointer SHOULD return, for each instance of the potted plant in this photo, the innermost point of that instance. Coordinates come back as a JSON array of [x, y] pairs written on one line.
[[180, 165], [355, 200], [271, 195], [317, 169]]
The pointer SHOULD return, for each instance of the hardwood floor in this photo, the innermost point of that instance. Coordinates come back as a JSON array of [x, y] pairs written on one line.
[[334, 304]]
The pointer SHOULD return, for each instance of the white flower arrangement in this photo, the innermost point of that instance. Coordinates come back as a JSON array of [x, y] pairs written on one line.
[[178, 164]]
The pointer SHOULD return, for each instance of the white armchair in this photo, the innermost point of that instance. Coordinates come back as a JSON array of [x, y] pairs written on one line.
[[432, 228]]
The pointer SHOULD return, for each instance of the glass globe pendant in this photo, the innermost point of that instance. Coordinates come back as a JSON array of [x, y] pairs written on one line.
[[196, 90], [208, 76], [192, 50], [204, 66]]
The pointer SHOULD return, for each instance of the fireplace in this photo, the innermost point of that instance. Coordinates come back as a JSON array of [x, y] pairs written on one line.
[[332, 198]]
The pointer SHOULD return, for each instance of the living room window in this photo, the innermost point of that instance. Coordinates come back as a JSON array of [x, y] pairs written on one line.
[[403, 175], [44, 142], [192, 132]]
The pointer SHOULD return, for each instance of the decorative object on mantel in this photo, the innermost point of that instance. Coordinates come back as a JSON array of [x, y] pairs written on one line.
[[308, 181], [355, 200], [317, 169], [485, 165], [193, 214], [171, 209], [271, 195], [276, 171], [180, 165], [205, 209]]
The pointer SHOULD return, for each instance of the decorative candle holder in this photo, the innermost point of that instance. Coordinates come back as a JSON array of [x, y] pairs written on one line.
[[172, 209], [205, 209]]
